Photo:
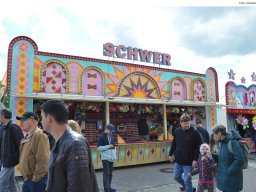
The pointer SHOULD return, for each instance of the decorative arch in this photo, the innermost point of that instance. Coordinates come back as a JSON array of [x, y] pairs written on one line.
[[54, 77], [92, 81], [198, 90], [11, 50], [138, 85], [178, 89]]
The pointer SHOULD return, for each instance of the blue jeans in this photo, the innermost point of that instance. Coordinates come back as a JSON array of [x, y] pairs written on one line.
[[7, 180], [107, 175], [30, 186], [180, 175]]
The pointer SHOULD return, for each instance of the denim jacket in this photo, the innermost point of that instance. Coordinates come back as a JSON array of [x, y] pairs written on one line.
[[104, 142]]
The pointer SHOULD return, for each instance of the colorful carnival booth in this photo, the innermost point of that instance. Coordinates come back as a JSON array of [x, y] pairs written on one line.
[[241, 111], [98, 92]]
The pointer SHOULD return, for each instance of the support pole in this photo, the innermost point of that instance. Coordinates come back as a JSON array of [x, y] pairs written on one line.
[[107, 113], [165, 121]]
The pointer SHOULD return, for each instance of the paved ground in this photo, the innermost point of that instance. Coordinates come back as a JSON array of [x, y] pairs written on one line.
[[158, 178]]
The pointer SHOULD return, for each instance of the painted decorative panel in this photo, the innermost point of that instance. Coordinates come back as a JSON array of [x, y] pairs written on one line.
[[188, 81], [178, 89], [20, 105], [241, 97], [113, 85], [199, 90], [92, 83], [22, 65], [135, 154], [138, 85], [37, 64], [54, 78], [211, 96], [75, 70]]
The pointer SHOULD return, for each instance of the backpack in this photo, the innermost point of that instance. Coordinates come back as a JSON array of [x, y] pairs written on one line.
[[245, 149]]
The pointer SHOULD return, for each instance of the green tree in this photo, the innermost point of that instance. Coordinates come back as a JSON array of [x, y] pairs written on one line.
[[4, 96]]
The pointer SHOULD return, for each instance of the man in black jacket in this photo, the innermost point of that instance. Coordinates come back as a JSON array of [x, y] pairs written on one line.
[[185, 148], [9, 146], [70, 165]]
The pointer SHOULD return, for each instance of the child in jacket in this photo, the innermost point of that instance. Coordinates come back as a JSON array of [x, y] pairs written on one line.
[[206, 167]]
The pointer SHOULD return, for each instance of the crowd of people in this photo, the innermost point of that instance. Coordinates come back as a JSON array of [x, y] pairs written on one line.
[[194, 152], [58, 157], [66, 167]]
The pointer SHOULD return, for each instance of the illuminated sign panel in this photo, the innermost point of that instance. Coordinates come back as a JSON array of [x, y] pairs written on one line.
[[136, 54]]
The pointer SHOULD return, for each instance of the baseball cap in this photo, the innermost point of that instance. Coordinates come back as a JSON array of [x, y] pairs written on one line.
[[110, 127], [28, 115]]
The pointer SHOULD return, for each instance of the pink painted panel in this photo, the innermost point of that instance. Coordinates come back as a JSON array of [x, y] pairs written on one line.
[[92, 83], [178, 90]]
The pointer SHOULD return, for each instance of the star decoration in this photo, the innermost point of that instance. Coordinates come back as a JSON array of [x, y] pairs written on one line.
[[231, 74], [253, 76], [243, 80]]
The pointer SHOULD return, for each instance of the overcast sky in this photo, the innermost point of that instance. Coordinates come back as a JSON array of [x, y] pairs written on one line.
[[222, 37]]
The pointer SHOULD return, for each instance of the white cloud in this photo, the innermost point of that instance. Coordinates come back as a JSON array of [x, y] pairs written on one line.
[[77, 28]]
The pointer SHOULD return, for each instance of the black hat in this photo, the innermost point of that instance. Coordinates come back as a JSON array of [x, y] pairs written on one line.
[[28, 115]]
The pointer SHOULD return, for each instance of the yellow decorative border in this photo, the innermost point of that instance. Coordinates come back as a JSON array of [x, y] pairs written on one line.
[[143, 74], [192, 87], [81, 78], [58, 62], [184, 85]]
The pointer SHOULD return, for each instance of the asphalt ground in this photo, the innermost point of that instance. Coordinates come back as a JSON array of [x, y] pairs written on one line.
[[159, 178]]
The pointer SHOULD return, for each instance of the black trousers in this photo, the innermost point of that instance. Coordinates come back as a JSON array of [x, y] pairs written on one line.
[[107, 174]]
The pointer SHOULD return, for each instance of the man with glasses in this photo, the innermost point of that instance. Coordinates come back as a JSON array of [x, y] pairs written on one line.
[[34, 154], [9, 146], [185, 151]]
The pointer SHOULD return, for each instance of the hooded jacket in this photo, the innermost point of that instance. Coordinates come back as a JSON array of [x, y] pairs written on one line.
[[205, 169], [229, 169], [104, 142]]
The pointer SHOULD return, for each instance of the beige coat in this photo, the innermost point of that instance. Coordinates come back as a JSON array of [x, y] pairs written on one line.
[[34, 155]]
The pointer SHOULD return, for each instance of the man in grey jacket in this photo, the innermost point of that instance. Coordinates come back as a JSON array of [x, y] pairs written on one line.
[[70, 165]]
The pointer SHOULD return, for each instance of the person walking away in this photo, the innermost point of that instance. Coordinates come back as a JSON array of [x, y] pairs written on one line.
[[70, 165], [143, 128], [10, 142], [203, 131], [229, 168], [206, 167], [185, 151], [74, 126], [34, 154], [106, 146]]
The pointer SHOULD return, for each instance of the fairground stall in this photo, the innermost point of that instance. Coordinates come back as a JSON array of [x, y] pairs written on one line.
[[241, 110], [98, 92]]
